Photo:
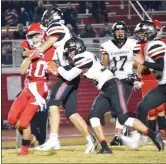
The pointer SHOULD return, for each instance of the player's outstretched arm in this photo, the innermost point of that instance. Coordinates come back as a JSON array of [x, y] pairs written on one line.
[[48, 43], [71, 74]]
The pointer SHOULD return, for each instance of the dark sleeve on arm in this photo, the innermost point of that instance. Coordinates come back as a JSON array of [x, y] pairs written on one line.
[[158, 65]]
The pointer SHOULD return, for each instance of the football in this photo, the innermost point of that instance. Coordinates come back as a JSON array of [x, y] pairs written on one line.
[[52, 65]]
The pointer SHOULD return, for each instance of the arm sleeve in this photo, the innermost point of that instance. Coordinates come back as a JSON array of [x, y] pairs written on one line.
[[69, 75], [158, 65]]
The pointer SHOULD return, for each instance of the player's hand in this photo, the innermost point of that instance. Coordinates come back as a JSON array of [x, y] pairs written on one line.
[[132, 78], [113, 70], [138, 58], [41, 102], [35, 55], [137, 85]]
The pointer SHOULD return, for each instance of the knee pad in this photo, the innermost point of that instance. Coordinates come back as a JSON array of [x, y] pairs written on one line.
[[122, 118], [12, 118], [152, 112], [95, 122], [129, 122], [160, 108]]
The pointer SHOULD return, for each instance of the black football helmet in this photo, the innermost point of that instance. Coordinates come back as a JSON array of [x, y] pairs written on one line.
[[146, 29], [75, 45], [117, 26], [51, 15]]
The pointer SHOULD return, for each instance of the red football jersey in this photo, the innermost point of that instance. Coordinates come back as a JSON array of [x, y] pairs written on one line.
[[37, 69]]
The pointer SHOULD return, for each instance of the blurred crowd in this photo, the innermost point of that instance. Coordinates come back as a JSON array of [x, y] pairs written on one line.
[[22, 13]]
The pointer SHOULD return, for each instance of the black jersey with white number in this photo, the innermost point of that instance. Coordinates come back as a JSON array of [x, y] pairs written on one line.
[[92, 68]]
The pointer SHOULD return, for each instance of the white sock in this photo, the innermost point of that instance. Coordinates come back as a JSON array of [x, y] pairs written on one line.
[[89, 139], [53, 136]]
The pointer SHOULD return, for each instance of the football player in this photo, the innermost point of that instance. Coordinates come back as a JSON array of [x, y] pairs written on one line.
[[117, 55], [155, 59], [35, 91], [63, 92], [112, 92], [149, 80]]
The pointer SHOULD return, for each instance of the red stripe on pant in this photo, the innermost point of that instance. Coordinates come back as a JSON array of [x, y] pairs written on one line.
[[61, 90], [121, 97]]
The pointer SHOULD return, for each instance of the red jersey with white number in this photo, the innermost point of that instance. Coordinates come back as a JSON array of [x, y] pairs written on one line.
[[37, 69]]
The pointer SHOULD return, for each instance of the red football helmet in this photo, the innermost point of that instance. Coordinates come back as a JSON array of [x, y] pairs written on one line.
[[159, 27], [35, 35]]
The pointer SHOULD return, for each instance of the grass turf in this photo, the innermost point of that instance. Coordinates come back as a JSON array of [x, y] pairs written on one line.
[[146, 153]]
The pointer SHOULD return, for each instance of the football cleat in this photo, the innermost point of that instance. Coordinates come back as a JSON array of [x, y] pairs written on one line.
[[144, 139], [91, 147], [116, 141], [158, 141], [133, 141], [49, 145], [23, 151], [105, 151]]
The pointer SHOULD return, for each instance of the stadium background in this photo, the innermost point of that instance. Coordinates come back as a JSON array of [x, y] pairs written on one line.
[[12, 81]]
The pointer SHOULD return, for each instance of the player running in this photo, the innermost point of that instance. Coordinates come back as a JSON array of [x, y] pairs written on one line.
[[35, 91], [112, 92], [117, 55]]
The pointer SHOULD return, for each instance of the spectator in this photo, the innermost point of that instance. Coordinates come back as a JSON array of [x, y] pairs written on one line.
[[69, 26], [163, 6], [105, 30], [24, 17], [82, 7], [151, 5], [6, 51], [6, 35], [89, 32], [3, 21], [39, 10], [70, 16], [19, 34], [98, 11], [11, 17]]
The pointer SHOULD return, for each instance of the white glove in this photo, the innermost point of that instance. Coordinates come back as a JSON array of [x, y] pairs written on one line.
[[41, 102], [137, 85], [39, 99]]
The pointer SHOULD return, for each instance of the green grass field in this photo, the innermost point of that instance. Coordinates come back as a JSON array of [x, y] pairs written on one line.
[[146, 153]]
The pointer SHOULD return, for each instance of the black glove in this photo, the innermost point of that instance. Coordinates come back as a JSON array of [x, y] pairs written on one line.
[[132, 78], [113, 70]]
